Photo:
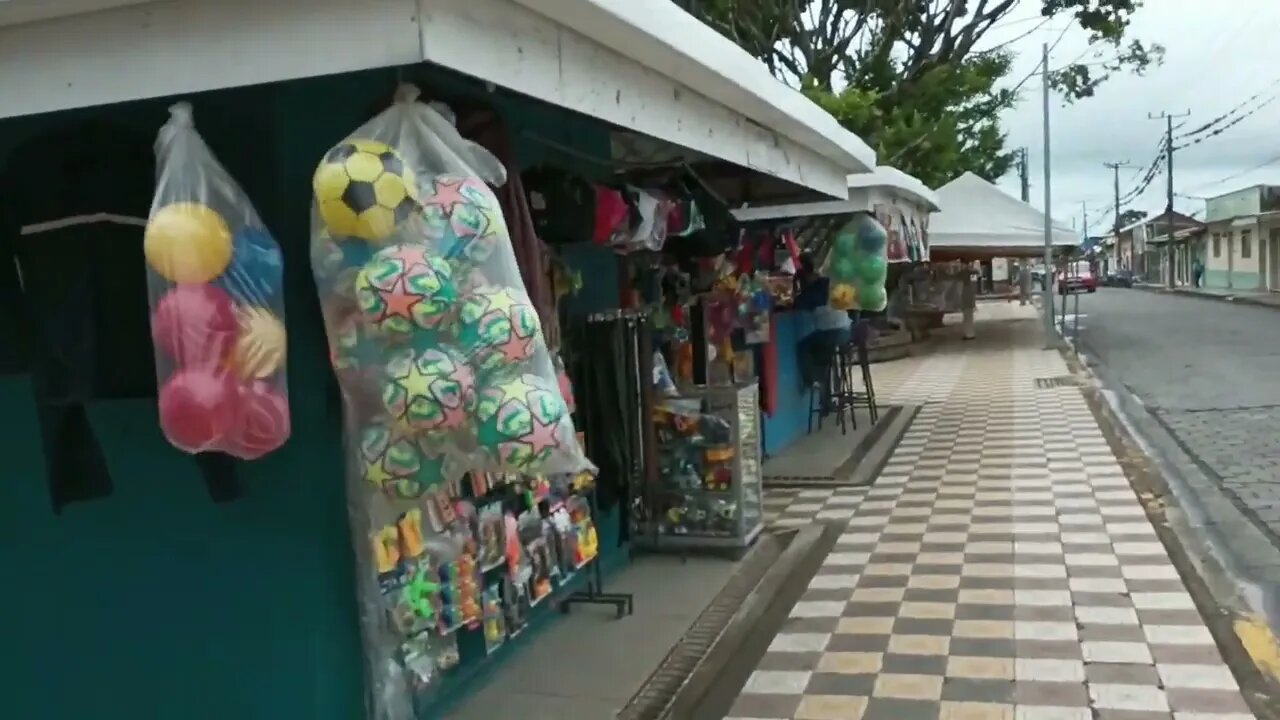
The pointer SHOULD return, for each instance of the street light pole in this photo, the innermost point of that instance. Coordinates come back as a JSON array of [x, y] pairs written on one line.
[[1048, 206]]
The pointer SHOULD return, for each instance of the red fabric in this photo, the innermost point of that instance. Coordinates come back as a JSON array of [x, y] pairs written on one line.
[[611, 214], [792, 248], [746, 260], [769, 371]]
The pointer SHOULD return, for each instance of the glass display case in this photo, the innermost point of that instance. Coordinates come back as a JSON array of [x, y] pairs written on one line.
[[708, 452]]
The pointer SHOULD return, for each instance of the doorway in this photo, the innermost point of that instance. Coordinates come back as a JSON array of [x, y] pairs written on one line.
[[1273, 260]]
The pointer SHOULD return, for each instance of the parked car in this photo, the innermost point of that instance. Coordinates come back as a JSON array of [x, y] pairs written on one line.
[[1081, 278], [1119, 278]]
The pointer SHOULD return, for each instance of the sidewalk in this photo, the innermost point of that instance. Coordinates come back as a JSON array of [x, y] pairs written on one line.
[[1000, 567], [1261, 298]]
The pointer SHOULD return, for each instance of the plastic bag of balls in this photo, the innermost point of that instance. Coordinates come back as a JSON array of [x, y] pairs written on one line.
[[857, 266], [215, 281], [437, 347]]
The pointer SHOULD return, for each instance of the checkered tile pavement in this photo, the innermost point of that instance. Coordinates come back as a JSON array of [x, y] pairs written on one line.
[[1000, 567]]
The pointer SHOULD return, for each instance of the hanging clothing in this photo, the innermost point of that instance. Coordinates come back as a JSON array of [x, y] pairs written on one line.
[[72, 204]]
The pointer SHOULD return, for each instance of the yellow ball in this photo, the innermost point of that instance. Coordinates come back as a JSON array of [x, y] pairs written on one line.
[[260, 344], [187, 243], [364, 189], [843, 296]]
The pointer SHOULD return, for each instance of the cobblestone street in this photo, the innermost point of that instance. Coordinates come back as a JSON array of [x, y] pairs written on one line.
[[1209, 371]]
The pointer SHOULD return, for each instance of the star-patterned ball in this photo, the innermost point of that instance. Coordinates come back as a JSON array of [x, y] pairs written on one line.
[[388, 458], [404, 288], [463, 219], [497, 328], [429, 390], [520, 422]]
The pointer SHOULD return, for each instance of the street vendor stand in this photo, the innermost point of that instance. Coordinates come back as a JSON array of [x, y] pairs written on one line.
[[899, 203]]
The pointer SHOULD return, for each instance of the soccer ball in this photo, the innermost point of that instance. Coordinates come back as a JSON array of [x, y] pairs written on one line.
[[387, 457], [462, 219], [429, 390], [497, 327], [521, 422], [404, 288], [364, 190]]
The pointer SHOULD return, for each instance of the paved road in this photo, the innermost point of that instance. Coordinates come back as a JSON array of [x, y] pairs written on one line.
[[1210, 372]]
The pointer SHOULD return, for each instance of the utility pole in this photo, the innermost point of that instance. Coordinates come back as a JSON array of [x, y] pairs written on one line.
[[1168, 169], [1048, 204], [1115, 186], [1024, 169]]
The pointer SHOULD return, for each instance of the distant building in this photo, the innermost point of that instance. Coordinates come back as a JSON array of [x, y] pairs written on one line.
[[1143, 247], [1243, 249]]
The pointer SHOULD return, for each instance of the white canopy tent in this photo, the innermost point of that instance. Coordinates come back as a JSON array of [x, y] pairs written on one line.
[[979, 220]]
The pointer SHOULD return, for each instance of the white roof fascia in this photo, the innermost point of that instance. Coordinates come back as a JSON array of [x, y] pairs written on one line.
[[866, 190], [643, 65]]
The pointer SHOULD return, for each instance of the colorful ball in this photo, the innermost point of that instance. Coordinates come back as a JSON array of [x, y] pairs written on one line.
[[429, 390], [194, 325], [873, 299], [497, 327], [873, 269], [255, 275], [364, 189], [404, 288], [187, 242], [198, 408], [462, 218], [843, 268], [262, 421], [872, 238], [843, 297], [333, 259], [387, 457], [433, 471], [521, 422], [260, 343]]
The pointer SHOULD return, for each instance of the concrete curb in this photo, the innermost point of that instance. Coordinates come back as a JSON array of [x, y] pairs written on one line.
[[1245, 639], [1234, 299]]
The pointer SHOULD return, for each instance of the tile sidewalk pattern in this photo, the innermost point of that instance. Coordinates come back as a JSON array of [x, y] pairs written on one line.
[[1000, 567]]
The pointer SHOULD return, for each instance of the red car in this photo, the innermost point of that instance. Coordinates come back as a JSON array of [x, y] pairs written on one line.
[[1081, 278]]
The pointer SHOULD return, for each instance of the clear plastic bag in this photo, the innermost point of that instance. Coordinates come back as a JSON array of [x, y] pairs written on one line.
[[215, 278], [858, 267], [437, 347]]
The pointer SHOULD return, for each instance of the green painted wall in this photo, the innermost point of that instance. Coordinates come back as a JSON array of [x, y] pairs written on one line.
[[156, 602]]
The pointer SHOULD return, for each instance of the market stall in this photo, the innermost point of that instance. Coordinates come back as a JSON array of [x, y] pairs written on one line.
[[979, 221], [901, 206], [243, 551]]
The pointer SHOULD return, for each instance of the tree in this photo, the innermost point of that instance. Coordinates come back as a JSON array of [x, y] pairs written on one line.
[[1129, 217], [906, 75]]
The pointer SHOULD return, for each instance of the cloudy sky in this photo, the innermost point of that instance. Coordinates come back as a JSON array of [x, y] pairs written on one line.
[[1219, 54]]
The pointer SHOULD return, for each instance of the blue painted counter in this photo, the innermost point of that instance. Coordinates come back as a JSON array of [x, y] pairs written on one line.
[[790, 418]]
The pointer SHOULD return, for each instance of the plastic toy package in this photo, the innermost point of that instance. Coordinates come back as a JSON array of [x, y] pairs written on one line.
[[215, 278], [437, 347], [858, 266]]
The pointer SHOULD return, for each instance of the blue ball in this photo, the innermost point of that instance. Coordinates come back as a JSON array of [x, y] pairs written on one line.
[[255, 275]]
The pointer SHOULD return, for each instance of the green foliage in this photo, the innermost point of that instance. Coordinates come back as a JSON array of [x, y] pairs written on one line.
[[905, 75]]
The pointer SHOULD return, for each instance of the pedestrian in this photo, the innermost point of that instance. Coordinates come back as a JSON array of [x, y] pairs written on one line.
[[1024, 283], [1197, 272], [968, 305]]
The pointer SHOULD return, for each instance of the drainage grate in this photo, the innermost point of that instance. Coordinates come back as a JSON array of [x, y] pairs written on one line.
[[1057, 382], [656, 695]]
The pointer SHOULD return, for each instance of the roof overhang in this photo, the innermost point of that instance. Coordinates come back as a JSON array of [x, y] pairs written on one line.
[[646, 66], [884, 186]]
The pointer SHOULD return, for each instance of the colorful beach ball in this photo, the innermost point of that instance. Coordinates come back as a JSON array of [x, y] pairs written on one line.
[[194, 325], [261, 343], [497, 327], [404, 288], [262, 421], [429, 390], [520, 422]]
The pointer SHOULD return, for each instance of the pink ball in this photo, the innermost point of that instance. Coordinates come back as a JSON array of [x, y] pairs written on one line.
[[198, 408], [262, 423], [194, 325]]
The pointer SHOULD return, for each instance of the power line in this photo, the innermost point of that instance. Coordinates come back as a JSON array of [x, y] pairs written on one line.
[[1229, 113], [1221, 129], [1242, 173]]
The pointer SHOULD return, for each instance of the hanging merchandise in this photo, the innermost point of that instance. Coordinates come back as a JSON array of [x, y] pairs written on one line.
[[443, 369], [857, 266], [215, 280]]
